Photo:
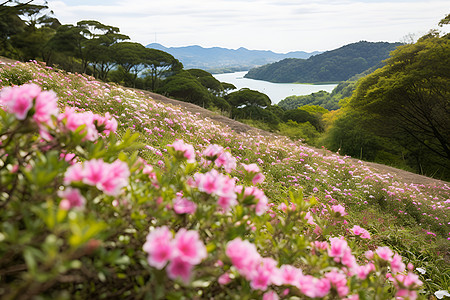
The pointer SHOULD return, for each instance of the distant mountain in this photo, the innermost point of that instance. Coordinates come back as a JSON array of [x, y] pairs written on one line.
[[219, 59], [331, 66]]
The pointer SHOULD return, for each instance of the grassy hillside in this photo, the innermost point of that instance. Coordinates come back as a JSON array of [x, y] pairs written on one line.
[[331, 66], [412, 219]]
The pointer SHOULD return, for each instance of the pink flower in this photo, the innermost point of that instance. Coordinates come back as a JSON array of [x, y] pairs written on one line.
[[224, 279], [363, 271], [314, 287], [188, 246], [109, 178], [396, 264], [266, 273], [270, 295], [45, 107], [214, 183], [179, 268], [158, 245], [184, 206], [72, 121], [18, 100], [339, 209], [106, 124], [384, 253], [74, 173], [262, 203], [213, 151], [338, 248], [254, 171], [71, 198], [290, 275], [227, 161], [185, 150], [339, 281], [360, 231], [244, 256]]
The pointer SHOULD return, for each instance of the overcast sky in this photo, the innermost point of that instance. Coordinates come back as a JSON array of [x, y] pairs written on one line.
[[277, 25]]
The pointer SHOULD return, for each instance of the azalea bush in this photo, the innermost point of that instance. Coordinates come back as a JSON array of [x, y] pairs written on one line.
[[83, 215]]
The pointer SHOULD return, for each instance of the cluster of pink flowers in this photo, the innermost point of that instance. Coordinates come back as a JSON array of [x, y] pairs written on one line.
[[71, 198], [182, 252], [109, 178], [94, 124], [262, 203], [19, 100], [215, 183], [254, 171], [263, 271], [357, 230], [184, 150], [220, 157], [182, 205]]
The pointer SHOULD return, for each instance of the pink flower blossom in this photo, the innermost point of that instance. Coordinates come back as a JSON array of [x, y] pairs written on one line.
[[339, 281], [224, 279], [184, 206], [364, 270], [73, 120], [338, 248], [266, 273], [290, 275], [314, 287], [46, 106], [227, 161], [213, 151], [243, 256], [109, 178], [270, 295], [262, 203], [71, 198], [384, 253], [254, 171], [105, 124], [396, 264], [339, 209], [188, 246], [215, 183], [158, 245], [18, 100], [179, 268], [360, 231], [185, 150]]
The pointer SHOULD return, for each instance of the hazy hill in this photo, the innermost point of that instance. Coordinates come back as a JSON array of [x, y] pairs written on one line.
[[218, 59], [331, 66]]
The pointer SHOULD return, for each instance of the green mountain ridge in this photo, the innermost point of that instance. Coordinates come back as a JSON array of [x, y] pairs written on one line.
[[331, 66]]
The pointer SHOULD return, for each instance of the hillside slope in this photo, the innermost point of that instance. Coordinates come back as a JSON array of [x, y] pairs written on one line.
[[408, 217], [331, 66]]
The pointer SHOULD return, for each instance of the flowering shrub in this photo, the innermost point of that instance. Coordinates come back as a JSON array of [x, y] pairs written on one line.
[[84, 216]]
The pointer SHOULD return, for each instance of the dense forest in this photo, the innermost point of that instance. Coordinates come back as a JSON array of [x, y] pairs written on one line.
[[331, 66]]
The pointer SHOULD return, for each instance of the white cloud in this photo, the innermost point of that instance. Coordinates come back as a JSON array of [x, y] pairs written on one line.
[[284, 25]]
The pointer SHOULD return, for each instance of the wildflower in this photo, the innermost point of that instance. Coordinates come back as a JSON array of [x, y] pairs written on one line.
[[19, 100], [384, 253], [179, 268], [71, 198], [244, 256], [158, 245], [184, 206], [360, 231], [270, 295], [339, 209], [188, 246], [184, 150]]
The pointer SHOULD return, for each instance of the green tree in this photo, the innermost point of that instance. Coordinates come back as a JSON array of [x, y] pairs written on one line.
[[159, 64], [130, 56], [408, 102], [247, 97]]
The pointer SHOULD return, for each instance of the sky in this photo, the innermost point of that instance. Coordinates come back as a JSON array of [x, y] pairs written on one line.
[[278, 25]]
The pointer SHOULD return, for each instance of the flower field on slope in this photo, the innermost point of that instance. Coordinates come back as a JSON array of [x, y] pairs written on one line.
[[297, 229]]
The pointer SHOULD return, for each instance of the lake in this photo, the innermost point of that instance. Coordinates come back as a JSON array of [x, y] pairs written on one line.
[[275, 91]]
